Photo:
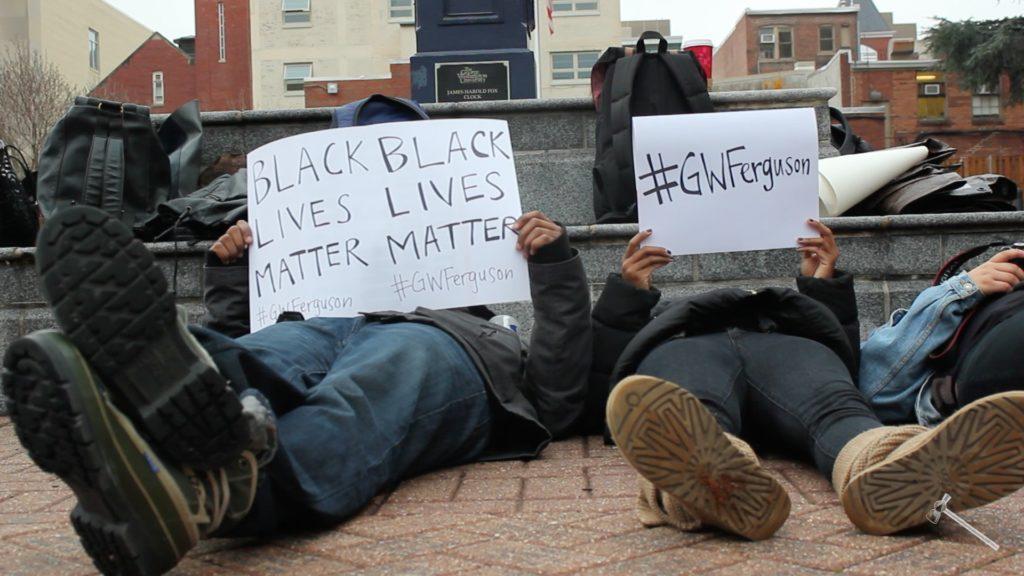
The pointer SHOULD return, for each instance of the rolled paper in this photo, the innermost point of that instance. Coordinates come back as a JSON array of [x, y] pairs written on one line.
[[844, 181]]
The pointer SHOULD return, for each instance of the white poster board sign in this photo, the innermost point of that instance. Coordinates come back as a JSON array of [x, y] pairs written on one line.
[[384, 217], [726, 181]]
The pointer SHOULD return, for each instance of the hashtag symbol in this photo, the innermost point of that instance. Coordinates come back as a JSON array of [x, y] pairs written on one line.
[[400, 286], [665, 186]]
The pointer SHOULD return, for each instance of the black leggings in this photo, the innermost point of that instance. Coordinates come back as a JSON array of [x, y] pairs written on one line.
[[782, 392], [995, 363]]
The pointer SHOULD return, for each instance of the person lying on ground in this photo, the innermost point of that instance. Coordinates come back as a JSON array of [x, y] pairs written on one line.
[[697, 378], [168, 433], [959, 341]]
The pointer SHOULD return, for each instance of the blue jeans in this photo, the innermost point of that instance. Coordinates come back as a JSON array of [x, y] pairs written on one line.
[[774, 390], [359, 407]]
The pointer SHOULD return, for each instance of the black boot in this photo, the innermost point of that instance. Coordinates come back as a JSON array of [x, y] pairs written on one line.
[[137, 513], [111, 299]]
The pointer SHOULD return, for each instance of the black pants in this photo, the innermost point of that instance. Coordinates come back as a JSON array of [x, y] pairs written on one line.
[[781, 392], [994, 364]]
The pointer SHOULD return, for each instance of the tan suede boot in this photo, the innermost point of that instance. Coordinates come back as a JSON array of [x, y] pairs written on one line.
[[890, 478], [675, 443], [657, 508]]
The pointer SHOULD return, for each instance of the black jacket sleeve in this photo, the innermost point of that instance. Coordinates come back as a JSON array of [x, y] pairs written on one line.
[[838, 295], [621, 311], [558, 363], [226, 296]]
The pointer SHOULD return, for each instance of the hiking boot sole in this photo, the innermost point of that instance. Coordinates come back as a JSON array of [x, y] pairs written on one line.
[[671, 439], [976, 456], [112, 301], [130, 516]]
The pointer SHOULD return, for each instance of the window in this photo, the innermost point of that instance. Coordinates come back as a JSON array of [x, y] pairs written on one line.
[[570, 6], [401, 11], [295, 75], [221, 40], [931, 96], [985, 102], [775, 42], [295, 11], [94, 49], [158, 88], [826, 39], [568, 66], [868, 54]]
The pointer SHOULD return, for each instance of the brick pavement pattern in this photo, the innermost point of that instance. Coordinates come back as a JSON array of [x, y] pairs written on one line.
[[570, 511]]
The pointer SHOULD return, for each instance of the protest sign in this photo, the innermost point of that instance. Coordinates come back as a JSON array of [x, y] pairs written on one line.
[[384, 217], [726, 181]]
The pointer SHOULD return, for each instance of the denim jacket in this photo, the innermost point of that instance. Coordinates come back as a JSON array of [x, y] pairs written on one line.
[[894, 371]]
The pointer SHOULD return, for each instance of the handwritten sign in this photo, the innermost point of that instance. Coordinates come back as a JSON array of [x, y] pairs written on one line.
[[384, 217], [726, 181]]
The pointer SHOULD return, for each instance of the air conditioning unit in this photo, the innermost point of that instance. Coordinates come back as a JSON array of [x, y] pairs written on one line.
[[932, 89], [767, 38], [332, 87]]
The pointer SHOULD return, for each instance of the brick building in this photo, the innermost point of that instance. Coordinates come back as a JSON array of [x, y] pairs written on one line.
[[213, 66], [766, 41], [157, 74]]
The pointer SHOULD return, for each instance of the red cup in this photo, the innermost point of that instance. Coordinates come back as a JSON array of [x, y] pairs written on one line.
[[702, 51]]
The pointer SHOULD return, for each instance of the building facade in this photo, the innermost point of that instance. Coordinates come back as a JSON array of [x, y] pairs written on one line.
[[768, 41], [214, 66], [85, 39]]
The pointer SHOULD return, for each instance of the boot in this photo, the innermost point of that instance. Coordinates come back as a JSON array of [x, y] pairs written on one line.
[[111, 300], [672, 440], [657, 508], [890, 478], [137, 513]]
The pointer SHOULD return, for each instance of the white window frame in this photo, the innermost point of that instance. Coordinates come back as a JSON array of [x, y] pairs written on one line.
[[866, 53], [573, 8], [222, 45], [304, 14], [580, 74], [392, 7], [775, 33], [985, 103], [832, 38], [94, 49], [159, 88], [287, 78]]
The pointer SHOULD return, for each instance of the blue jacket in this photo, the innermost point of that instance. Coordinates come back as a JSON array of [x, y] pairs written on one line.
[[894, 367]]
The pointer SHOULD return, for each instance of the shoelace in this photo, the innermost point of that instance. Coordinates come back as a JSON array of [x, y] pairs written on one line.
[[173, 229], [213, 506]]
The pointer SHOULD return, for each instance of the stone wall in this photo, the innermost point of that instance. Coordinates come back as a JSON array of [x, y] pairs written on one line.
[[892, 257]]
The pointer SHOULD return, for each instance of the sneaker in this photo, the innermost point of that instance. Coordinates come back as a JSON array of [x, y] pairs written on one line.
[[136, 514], [672, 440], [111, 299], [890, 478]]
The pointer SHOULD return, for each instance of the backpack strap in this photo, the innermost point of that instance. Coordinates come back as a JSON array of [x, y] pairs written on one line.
[[622, 118], [689, 76]]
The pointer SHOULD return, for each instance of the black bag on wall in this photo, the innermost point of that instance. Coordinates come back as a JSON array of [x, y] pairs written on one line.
[[641, 84], [104, 154], [19, 218]]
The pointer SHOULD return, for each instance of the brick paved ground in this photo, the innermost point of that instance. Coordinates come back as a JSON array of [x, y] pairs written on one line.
[[571, 511]]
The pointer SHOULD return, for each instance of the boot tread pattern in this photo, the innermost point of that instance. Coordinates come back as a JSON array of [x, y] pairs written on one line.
[[976, 456], [673, 441], [111, 299]]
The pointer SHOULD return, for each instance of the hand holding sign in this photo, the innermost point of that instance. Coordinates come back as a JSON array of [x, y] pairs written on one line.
[[387, 217], [726, 181]]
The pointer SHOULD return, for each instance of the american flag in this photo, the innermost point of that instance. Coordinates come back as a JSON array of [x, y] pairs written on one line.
[[551, 16]]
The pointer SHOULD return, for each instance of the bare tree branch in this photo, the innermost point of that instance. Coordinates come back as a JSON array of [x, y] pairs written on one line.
[[33, 96]]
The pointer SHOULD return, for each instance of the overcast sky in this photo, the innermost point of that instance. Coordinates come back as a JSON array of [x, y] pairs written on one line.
[[690, 19]]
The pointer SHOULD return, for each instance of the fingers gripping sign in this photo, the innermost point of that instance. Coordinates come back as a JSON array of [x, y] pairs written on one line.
[[232, 244], [535, 231], [640, 262], [818, 256]]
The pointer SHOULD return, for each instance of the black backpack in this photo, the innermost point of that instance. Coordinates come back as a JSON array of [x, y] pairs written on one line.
[[640, 84], [947, 361], [19, 218]]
